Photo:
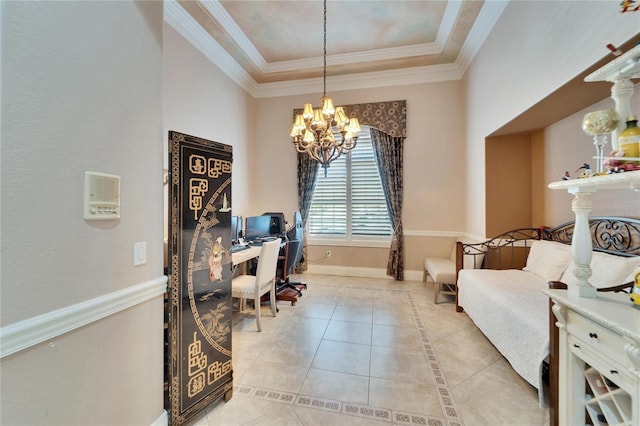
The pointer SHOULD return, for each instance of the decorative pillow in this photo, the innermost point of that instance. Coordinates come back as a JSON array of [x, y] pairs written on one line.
[[607, 270], [548, 259]]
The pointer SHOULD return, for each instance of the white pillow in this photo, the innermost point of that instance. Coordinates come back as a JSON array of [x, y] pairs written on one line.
[[548, 259], [607, 270]]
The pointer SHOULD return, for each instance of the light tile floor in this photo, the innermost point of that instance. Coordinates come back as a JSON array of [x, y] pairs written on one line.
[[361, 351]]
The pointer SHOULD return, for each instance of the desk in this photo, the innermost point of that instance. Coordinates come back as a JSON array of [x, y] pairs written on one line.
[[242, 256]]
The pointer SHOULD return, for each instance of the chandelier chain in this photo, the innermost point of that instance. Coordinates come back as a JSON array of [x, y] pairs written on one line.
[[324, 77], [315, 130]]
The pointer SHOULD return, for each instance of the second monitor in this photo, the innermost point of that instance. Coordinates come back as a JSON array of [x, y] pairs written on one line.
[[257, 227]]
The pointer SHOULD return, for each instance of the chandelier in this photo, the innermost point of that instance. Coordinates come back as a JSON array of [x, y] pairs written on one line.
[[313, 131]]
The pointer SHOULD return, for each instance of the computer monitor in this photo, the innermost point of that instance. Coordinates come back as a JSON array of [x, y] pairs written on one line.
[[257, 227], [236, 229]]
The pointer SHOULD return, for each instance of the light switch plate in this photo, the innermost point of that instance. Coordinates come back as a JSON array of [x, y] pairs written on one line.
[[139, 253]]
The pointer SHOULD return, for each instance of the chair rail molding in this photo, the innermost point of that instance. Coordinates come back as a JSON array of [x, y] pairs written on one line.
[[32, 331]]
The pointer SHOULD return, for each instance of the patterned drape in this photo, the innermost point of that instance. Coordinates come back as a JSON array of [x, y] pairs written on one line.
[[389, 155], [307, 172], [390, 119]]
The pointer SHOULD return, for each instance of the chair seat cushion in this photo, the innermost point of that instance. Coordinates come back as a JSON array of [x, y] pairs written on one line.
[[441, 270], [243, 286]]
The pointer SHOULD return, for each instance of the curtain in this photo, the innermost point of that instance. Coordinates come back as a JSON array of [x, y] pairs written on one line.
[[307, 172], [389, 120], [389, 155]]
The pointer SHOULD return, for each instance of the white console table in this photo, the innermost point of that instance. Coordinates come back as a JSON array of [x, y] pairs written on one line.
[[581, 245], [599, 359]]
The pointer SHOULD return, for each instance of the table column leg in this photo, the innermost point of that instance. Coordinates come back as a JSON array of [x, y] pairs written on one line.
[[581, 244]]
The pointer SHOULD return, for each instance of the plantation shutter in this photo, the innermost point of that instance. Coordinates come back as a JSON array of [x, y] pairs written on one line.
[[349, 201], [328, 213], [369, 214]]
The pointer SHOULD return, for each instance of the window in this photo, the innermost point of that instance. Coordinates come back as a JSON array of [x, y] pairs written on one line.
[[349, 204]]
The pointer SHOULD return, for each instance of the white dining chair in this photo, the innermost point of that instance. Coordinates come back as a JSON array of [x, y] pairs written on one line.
[[253, 287]]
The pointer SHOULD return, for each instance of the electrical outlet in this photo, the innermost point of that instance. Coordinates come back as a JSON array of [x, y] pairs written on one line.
[[328, 253]]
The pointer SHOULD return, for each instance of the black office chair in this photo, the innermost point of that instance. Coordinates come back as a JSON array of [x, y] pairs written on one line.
[[292, 256], [277, 227]]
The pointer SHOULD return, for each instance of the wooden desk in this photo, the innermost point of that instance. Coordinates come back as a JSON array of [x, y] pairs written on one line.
[[244, 255]]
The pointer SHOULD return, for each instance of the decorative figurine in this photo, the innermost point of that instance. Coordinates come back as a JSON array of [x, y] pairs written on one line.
[[587, 170], [566, 176], [614, 160], [629, 6]]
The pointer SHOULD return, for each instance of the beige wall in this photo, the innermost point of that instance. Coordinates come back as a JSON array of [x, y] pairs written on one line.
[[433, 177], [508, 183], [81, 90]]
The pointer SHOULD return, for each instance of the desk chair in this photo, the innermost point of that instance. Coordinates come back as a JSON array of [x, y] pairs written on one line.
[[278, 224], [285, 289], [253, 287], [293, 255]]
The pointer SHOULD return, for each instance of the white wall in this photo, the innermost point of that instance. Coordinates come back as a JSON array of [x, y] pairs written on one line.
[[535, 47], [81, 90]]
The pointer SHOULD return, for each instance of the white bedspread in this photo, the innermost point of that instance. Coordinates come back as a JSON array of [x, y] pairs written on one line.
[[510, 309]]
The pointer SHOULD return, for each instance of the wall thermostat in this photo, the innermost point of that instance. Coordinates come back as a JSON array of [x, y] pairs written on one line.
[[101, 196]]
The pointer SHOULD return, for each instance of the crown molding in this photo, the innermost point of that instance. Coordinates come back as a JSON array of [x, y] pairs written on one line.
[[183, 23], [448, 22], [220, 14], [354, 57], [187, 27], [482, 27], [415, 75]]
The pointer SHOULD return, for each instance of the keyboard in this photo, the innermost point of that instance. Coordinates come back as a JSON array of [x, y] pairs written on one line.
[[259, 241], [239, 247]]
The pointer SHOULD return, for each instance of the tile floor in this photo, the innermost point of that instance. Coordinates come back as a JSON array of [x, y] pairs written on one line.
[[361, 351]]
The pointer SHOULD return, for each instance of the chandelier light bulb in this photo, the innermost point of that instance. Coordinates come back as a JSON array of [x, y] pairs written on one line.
[[307, 114], [327, 107]]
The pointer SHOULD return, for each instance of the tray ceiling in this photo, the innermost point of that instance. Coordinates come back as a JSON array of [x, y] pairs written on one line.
[[274, 45]]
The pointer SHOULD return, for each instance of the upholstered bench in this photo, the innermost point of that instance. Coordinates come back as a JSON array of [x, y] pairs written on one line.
[[443, 273]]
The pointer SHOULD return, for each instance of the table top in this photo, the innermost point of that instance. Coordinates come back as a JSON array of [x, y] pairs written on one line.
[[246, 254], [630, 180], [611, 310]]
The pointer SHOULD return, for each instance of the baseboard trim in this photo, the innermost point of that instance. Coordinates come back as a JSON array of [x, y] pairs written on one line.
[[24, 334], [352, 271], [163, 420]]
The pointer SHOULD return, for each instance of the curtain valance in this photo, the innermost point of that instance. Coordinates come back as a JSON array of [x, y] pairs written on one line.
[[390, 116]]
